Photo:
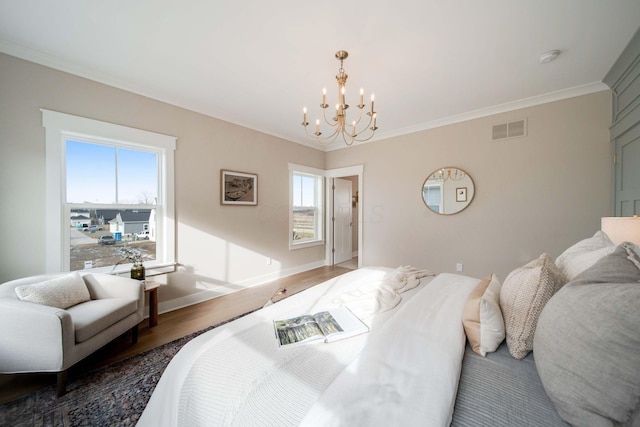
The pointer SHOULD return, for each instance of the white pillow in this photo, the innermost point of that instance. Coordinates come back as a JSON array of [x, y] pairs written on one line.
[[584, 254], [62, 292], [482, 317]]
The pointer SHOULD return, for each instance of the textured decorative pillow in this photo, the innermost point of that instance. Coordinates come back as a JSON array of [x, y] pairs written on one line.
[[587, 344], [482, 317], [523, 295], [62, 292], [584, 254]]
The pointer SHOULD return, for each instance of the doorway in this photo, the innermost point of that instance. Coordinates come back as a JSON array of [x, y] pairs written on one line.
[[347, 210]]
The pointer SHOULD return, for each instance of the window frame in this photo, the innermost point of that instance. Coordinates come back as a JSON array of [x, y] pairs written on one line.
[[59, 127], [319, 174]]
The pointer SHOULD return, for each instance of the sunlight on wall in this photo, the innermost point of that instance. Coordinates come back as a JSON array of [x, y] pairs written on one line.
[[215, 261]]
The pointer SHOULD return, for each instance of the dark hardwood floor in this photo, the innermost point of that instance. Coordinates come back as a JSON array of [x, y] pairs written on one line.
[[173, 325]]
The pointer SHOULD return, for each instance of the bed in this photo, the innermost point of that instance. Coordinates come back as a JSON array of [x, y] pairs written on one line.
[[416, 365]]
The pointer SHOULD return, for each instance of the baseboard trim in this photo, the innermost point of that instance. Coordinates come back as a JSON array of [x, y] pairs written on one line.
[[218, 291]]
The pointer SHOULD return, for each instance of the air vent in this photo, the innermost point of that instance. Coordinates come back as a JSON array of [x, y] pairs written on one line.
[[509, 130]]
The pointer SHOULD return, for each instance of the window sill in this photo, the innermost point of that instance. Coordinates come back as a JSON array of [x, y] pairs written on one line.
[[306, 244], [152, 269]]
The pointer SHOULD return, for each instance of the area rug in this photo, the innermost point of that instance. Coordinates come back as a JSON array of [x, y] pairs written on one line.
[[114, 395]]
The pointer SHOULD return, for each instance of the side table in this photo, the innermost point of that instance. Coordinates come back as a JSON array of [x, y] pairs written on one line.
[[151, 288]]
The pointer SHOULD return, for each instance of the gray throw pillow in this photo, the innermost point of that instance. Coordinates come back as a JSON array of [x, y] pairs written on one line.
[[618, 267], [587, 344]]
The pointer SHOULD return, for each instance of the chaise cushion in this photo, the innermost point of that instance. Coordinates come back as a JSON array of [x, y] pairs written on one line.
[[94, 316], [524, 294], [61, 292], [587, 344]]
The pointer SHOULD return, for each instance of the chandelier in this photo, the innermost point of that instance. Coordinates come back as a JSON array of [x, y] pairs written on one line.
[[444, 174], [350, 132]]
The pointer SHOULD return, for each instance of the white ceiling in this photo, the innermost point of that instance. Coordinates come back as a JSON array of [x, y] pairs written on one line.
[[257, 63]]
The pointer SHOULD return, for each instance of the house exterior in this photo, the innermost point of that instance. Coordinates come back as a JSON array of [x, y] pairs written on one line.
[[130, 222], [105, 216], [80, 218]]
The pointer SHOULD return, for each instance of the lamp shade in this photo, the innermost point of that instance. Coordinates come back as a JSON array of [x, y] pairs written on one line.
[[622, 229]]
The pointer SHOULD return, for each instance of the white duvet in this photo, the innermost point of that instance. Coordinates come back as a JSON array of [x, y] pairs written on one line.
[[404, 371]]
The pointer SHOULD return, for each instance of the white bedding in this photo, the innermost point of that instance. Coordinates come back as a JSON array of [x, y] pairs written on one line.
[[236, 374]]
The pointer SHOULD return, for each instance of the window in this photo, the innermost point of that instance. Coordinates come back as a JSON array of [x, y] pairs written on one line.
[[432, 195], [102, 180], [114, 188], [306, 207]]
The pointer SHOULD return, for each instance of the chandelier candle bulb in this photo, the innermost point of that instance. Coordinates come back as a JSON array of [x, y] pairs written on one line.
[[361, 98], [372, 98], [324, 98]]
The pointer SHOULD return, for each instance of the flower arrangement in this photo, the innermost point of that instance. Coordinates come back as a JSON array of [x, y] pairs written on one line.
[[134, 255]]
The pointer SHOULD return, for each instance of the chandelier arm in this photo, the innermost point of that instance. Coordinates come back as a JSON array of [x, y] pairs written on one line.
[[346, 136], [329, 139], [322, 139], [368, 125], [359, 118], [348, 142], [364, 139], [333, 122], [371, 129]]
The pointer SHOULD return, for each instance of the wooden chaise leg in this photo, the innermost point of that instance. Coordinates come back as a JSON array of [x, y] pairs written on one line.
[[134, 334], [61, 387]]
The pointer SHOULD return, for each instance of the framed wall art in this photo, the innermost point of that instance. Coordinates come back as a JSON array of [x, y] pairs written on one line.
[[461, 194], [238, 188]]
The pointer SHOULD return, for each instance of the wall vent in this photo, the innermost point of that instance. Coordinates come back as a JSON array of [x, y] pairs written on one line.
[[509, 130]]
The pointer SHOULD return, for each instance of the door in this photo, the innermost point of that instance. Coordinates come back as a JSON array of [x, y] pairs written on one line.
[[342, 220]]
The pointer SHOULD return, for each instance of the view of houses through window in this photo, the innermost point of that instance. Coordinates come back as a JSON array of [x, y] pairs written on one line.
[[96, 236], [111, 196]]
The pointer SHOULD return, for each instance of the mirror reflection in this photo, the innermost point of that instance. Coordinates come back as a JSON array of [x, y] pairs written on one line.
[[448, 190]]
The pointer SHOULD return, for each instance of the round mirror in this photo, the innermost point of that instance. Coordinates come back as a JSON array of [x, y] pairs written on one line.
[[448, 191]]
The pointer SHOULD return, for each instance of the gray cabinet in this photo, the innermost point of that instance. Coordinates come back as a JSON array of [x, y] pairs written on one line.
[[624, 80]]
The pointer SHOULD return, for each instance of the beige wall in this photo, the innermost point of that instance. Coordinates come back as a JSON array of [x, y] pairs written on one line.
[[535, 194], [219, 247]]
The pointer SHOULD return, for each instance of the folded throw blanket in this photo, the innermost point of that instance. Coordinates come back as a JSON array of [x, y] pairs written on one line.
[[380, 296]]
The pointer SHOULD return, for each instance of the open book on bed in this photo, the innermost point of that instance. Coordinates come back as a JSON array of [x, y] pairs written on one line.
[[329, 325]]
